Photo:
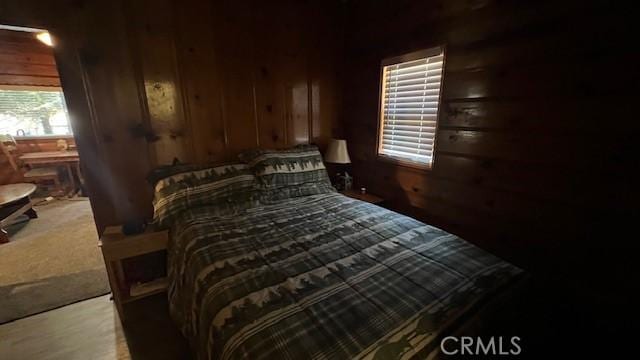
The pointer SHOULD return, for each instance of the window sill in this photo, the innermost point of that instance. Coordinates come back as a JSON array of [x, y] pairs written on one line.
[[405, 163], [43, 137]]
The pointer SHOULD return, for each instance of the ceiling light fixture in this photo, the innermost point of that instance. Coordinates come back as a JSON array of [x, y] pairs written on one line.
[[45, 38]]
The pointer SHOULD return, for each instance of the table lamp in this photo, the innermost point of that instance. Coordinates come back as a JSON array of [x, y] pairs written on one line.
[[337, 154]]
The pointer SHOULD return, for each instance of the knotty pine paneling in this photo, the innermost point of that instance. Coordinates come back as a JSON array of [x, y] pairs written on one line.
[[201, 90], [118, 111], [233, 40], [197, 80], [533, 150], [25, 61], [152, 40], [225, 76]]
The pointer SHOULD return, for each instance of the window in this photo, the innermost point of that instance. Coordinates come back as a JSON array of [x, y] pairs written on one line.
[[409, 99], [33, 113]]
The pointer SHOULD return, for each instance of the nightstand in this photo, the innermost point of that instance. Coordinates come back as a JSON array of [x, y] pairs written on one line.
[[115, 247], [370, 198]]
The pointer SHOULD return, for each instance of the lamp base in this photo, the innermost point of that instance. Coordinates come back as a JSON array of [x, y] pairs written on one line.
[[344, 181]]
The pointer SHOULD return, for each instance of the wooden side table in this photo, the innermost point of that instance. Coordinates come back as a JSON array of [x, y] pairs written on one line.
[[14, 201], [115, 247], [68, 158], [370, 198]]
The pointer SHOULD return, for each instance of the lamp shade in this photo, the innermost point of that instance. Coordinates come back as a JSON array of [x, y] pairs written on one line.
[[337, 152]]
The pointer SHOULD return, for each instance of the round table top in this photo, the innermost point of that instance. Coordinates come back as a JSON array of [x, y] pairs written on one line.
[[14, 192]]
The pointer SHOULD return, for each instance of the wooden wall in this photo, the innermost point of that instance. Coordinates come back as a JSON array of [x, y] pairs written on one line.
[[224, 76], [49, 143], [25, 61], [536, 136], [533, 152], [147, 81]]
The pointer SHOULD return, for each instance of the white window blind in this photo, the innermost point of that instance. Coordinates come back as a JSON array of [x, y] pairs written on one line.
[[33, 113], [409, 105]]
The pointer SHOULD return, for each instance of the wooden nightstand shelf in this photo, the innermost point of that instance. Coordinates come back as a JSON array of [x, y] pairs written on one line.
[[115, 247], [370, 198]]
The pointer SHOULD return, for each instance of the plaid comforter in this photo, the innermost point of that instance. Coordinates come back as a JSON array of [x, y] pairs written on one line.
[[322, 277]]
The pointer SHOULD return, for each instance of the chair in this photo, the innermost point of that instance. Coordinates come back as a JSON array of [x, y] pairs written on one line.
[[37, 174]]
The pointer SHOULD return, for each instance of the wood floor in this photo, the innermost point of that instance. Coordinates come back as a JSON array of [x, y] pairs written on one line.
[[91, 330]]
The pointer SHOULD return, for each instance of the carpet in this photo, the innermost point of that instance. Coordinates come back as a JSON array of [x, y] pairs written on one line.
[[51, 261]]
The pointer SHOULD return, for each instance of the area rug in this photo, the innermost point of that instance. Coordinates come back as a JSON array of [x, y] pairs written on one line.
[[51, 261]]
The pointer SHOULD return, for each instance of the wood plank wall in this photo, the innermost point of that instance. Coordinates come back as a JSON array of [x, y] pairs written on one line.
[[25, 61], [148, 81], [50, 143], [533, 151], [536, 132], [220, 77]]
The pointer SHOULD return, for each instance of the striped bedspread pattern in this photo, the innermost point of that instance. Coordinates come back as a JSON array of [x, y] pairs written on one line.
[[321, 277]]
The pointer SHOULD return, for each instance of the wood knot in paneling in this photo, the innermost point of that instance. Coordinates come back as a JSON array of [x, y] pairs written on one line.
[[139, 130], [174, 134], [151, 137]]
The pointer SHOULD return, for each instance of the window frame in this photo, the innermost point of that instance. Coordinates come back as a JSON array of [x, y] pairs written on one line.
[[415, 55]]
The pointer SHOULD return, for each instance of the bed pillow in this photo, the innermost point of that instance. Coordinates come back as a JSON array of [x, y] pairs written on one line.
[[226, 189], [165, 171], [294, 172]]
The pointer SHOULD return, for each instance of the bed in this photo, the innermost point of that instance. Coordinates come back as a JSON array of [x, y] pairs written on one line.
[[319, 276]]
